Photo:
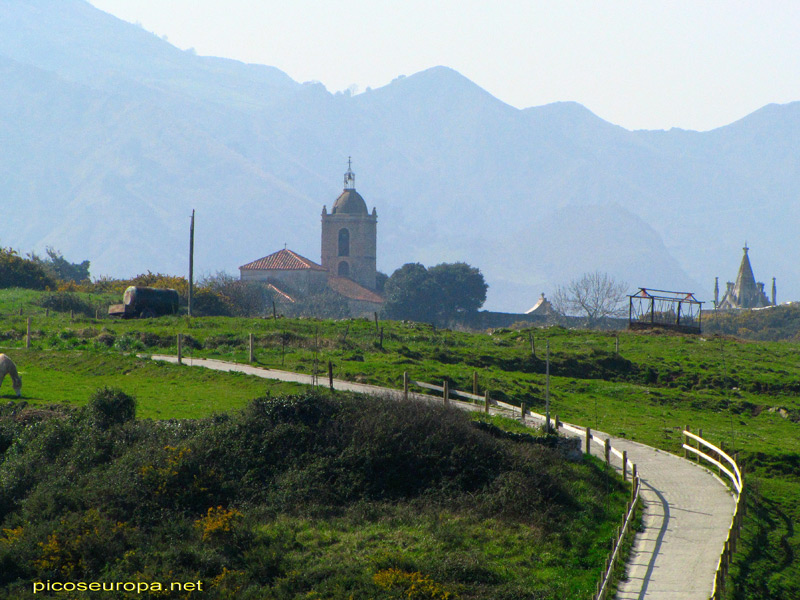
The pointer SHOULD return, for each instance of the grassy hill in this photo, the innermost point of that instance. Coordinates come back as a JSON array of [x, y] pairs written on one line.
[[305, 496], [742, 394]]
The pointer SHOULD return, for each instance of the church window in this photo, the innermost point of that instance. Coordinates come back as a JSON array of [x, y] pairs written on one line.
[[344, 269], [344, 242]]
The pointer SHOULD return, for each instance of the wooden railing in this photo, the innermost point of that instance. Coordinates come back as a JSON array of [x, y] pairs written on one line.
[[615, 555], [733, 473]]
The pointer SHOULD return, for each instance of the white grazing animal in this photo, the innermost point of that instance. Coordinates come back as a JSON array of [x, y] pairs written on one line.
[[7, 366]]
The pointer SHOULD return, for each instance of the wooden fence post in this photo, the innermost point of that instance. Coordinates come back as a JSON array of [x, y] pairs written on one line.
[[700, 433], [558, 423], [330, 374], [624, 465], [686, 441], [475, 382], [252, 354], [28, 334], [588, 441], [445, 392], [405, 385], [607, 448], [522, 410], [486, 401], [180, 357]]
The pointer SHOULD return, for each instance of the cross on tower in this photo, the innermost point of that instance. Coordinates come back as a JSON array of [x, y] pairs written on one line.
[[349, 176]]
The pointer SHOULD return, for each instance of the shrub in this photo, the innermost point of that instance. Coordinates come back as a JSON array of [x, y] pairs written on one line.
[[65, 302], [109, 407]]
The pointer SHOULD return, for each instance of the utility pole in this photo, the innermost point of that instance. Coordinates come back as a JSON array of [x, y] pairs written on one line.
[[191, 262]]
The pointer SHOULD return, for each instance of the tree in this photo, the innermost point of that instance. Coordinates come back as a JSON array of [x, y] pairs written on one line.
[[461, 289], [596, 295], [439, 294], [60, 268], [410, 294], [16, 271]]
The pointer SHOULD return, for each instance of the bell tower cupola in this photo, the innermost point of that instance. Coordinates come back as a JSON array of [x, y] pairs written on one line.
[[349, 235]]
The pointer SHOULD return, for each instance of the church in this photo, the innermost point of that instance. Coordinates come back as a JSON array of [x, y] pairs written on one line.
[[745, 292], [348, 257]]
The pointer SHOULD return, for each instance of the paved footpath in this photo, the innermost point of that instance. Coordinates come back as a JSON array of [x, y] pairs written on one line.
[[687, 512]]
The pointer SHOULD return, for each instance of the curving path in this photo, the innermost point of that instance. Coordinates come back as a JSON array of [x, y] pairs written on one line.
[[687, 512]]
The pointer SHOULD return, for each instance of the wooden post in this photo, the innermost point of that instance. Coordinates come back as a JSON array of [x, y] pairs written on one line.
[[28, 334], [46, 312], [274, 312], [71, 314], [699, 433], [547, 387], [96, 313], [624, 465], [607, 447], [558, 423], [446, 392], [180, 362], [405, 385], [252, 354], [522, 410], [486, 401], [20, 311], [330, 374], [616, 345], [533, 344], [475, 382], [686, 441], [588, 441]]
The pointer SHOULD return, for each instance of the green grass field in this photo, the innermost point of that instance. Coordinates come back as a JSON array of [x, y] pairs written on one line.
[[743, 394]]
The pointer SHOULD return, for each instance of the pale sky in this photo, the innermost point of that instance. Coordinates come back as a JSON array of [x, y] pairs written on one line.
[[694, 64]]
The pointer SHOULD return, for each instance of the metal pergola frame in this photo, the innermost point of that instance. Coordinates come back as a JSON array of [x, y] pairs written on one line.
[[678, 311]]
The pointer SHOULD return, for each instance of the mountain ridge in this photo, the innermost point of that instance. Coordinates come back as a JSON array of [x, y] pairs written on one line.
[[106, 163]]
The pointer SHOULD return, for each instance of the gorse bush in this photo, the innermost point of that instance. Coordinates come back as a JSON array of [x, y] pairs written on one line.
[[109, 407]]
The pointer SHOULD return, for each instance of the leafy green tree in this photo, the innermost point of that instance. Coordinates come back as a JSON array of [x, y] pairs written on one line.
[[60, 268], [16, 271], [461, 289], [441, 294], [410, 294]]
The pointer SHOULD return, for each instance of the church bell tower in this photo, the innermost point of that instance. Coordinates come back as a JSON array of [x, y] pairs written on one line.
[[349, 236]]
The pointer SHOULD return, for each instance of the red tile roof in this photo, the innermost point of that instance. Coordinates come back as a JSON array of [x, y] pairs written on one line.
[[284, 260], [350, 289]]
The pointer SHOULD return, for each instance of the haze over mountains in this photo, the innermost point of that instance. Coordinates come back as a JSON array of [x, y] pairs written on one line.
[[110, 136]]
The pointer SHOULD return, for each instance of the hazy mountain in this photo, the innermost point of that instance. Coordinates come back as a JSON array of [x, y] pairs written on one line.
[[110, 136]]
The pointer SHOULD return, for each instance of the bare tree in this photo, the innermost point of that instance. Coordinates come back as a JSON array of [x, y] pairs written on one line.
[[596, 295]]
